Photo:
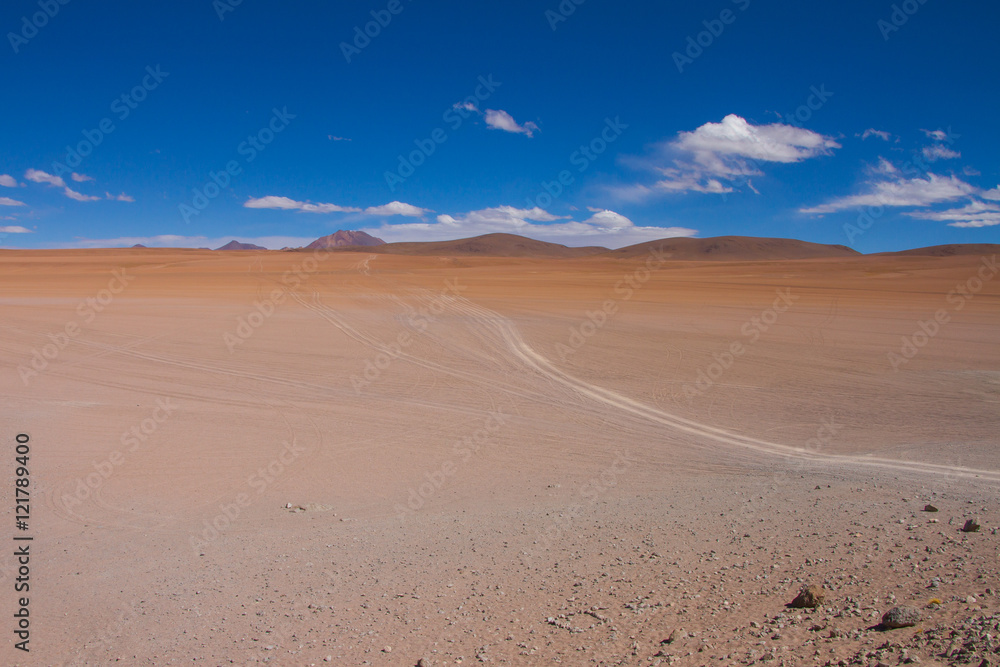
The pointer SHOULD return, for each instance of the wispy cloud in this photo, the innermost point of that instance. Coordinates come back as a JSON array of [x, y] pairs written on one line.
[[715, 156], [8, 181], [15, 229], [7, 201], [974, 214], [73, 194], [39, 176], [285, 203], [333, 137], [879, 134], [891, 189], [939, 152], [81, 178], [936, 135], [498, 119]]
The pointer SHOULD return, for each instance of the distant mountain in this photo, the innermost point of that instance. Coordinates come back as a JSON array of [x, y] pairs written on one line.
[[236, 245], [342, 239], [734, 249], [949, 250], [488, 245], [139, 245]]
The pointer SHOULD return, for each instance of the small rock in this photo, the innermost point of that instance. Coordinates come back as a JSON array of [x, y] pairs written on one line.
[[809, 597], [930, 508], [901, 617], [970, 526], [423, 663], [387, 649]]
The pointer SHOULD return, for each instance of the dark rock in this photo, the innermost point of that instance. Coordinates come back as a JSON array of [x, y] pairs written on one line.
[[970, 526], [930, 508], [809, 597], [901, 617]]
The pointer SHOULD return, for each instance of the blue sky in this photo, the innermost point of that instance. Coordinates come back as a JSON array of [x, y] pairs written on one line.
[[190, 123]]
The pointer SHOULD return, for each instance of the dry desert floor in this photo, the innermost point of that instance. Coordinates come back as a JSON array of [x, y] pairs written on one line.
[[356, 459]]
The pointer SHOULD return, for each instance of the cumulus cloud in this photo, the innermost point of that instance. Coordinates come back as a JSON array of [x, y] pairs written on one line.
[[939, 152], [8, 181], [390, 209], [974, 214], [603, 227], [710, 158], [7, 201], [81, 178], [992, 195], [884, 136], [501, 120], [14, 229], [900, 192]]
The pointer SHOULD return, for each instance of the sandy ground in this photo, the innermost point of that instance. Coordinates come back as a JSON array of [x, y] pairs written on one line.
[[351, 459]]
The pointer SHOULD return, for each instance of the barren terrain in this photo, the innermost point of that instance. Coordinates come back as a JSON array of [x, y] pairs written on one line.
[[308, 458]]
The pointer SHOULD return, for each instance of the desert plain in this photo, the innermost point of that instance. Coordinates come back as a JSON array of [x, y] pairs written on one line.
[[351, 458]]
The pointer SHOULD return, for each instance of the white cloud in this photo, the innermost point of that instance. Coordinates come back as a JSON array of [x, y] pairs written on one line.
[[14, 229], [936, 135], [397, 208], [272, 201], [121, 197], [332, 137], [39, 176], [81, 178], [992, 195], [73, 194], [732, 150], [884, 136], [501, 120], [902, 192], [939, 152], [7, 201], [974, 214], [604, 227], [8, 181], [468, 106], [392, 208]]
